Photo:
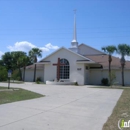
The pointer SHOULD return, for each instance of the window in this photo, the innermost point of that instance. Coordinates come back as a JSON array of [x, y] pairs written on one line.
[[64, 70]]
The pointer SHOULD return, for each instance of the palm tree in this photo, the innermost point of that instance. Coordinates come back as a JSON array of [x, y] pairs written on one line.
[[33, 54], [17, 61], [123, 50], [25, 61], [109, 50]]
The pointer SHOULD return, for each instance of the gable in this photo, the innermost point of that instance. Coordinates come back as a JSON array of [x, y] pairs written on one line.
[[64, 53], [87, 50]]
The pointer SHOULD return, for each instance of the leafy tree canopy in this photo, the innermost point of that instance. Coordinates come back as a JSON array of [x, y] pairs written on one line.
[[123, 49], [109, 49], [34, 53]]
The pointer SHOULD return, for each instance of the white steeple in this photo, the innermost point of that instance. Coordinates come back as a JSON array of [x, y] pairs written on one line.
[[74, 35], [74, 43]]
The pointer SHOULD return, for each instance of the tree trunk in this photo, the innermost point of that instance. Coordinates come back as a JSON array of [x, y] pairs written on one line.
[[110, 59], [122, 68], [34, 73], [20, 74], [24, 73], [122, 72], [110, 72]]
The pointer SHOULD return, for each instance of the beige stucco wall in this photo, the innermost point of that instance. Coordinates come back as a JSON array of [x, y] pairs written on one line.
[[86, 75], [30, 73], [97, 75], [126, 77], [76, 75]]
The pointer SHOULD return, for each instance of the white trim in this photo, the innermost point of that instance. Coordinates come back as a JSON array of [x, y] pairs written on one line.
[[69, 51], [113, 69], [50, 54], [42, 63], [84, 62]]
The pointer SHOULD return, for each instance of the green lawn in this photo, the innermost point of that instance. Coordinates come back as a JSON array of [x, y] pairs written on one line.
[[14, 95], [13, 81], [3, 88], [121, 111]]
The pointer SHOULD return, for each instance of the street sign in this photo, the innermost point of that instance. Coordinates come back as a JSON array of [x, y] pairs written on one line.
[[9, 75], [9, 71]]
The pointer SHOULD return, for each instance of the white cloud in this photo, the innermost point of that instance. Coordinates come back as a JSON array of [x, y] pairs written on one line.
[[44, 49], [21, 46], [26, 46], [126, 57], [50, 46], [1, 53]]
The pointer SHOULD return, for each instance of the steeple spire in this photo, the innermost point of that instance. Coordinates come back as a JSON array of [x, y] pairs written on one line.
[[74, 35], [74, 43]]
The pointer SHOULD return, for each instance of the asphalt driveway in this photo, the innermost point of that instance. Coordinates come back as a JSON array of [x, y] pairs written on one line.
[[63, 108]]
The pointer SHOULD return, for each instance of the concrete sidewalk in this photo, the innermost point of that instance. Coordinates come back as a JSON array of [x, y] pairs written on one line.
[[63, 108]]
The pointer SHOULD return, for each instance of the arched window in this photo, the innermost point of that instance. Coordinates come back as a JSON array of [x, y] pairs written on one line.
[[65, 69]]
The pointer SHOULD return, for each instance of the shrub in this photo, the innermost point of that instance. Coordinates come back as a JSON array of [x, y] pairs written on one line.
[[105, 81], [3, 73], [76, 83], [38, 79], [38, 82]]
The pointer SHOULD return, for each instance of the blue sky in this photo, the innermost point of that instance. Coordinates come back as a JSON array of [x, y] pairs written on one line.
[[48, 24]]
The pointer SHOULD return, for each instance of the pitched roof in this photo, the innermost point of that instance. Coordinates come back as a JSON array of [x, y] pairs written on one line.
[[82, 44], [67, 50], [103, 60], [38, 66]]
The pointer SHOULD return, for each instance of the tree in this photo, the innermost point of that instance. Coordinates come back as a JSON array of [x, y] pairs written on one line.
[[33, 54], [123, 50], [25, 61], [1, 63], [109, 50], [17, 60], [3, 73], [8, 61]]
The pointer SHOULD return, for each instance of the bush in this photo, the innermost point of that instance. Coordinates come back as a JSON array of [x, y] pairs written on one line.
[[76, 83], [38, 80], [105, 81], [3, 73]]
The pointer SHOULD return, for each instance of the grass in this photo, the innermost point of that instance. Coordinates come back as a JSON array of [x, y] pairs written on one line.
[[111, 87], [37, 82], [13, 81], [3, 88], [17, 95], [121, 111]]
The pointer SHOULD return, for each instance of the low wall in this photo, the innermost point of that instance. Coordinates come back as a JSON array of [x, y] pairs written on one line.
[[60, 83]]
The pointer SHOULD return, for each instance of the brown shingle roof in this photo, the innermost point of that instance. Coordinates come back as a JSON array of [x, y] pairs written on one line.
[[32, 66], [103, 60]]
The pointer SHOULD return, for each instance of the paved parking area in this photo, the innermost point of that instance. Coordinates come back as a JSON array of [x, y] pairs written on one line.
[[63, 108]]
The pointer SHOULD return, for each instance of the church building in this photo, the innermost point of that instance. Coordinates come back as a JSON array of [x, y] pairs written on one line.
[[80, 63]]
